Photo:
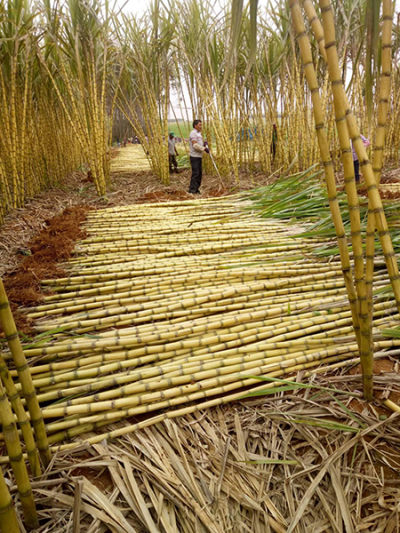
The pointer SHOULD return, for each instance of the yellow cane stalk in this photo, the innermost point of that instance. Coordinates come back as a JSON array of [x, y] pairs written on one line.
[[10, 331], [327, 162], [22, 418], [362, 304], [373, 192], [18, 465], [384, 95], [8, 517]]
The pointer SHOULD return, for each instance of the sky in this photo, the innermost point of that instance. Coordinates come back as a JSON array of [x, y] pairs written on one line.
[[139, 6]]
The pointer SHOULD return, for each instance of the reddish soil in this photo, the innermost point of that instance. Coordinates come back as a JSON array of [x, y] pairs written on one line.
[[175, 195], [385, 193], [167, 195], [381, 391], [391, 176], [53, 245], [102, 479]]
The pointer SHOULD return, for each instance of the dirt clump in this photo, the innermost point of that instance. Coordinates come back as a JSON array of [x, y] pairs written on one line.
[[385, 194], [51, 246], [381, 367], [166, 195], [217, 192]]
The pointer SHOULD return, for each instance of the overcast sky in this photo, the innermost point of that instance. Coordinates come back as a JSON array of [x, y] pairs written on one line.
[[139, 6]]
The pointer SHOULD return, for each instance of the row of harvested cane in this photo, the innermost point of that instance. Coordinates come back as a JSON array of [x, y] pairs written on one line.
[[171, 309], [166, 305]]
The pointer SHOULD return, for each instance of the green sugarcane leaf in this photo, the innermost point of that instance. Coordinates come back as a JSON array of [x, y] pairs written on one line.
[[270, 462]]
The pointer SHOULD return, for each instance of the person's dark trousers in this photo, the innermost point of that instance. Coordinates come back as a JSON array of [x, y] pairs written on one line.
[[197, 173], [172, 161], [357, 170], [273, 150]]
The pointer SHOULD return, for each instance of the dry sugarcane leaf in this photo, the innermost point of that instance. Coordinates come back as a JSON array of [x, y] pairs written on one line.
[[173, 430], [159, 506], [91, 510], [139, 498], [96, 526], [342, 503], [222, 472], [76, 518], [115, 514]]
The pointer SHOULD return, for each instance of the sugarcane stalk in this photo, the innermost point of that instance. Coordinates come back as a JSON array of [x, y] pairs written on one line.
[[359, 275], [327, 162], [8, 517], [17, 462], [244, 382], [383, 106], [23, 420], [10, 331], [373, 192]]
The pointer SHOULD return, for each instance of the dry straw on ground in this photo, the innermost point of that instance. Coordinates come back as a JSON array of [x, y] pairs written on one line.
[[264, 464]]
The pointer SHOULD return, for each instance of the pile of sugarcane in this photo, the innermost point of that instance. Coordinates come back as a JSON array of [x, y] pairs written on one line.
[[168, 304]]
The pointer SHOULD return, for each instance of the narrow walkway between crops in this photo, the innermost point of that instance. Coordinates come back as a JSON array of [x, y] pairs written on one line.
[[130, 159]]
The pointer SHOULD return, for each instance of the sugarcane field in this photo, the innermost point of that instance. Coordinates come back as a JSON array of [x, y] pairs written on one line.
[[199, 266]]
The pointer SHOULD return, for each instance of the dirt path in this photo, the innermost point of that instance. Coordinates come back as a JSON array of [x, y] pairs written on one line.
[[130, 159], [128, 187]]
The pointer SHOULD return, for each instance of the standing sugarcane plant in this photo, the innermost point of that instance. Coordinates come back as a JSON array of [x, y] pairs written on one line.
[[370, 181], [30, 115], [347, 128], [383, 106], [327, 163], [8, 516], [78, 58], [365, 342], [9, 395], [144, 96], [23, 420], [17, 462]]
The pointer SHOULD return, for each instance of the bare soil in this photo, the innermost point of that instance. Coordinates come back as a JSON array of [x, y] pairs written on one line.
[[390, 184], [50, 247]]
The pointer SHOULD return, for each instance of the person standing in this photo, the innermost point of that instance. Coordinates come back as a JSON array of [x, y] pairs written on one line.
[[355, 158], [274, 141], [196, 148], [172, 153]]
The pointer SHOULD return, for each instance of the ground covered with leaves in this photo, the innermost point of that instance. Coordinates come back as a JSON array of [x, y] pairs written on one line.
[[304, 462]]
